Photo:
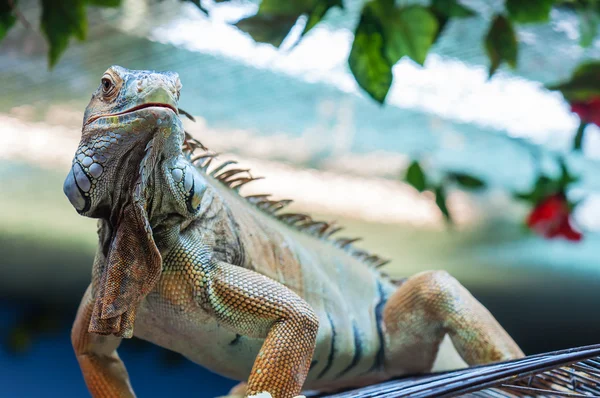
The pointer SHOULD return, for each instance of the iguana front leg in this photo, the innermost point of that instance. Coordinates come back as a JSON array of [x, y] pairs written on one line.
[[103, 370], [253, 305]]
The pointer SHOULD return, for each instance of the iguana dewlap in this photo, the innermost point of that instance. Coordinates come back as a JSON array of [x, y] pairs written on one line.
[[233, 283]]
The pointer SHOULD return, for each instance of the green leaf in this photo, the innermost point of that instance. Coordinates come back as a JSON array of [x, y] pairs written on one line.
[[317, 13], [268, 30], [526, 11], [588, 25], [442, 21], [61, 20], [451, 9], [409, 32], [501, 44], [385, 34], [583, 85], [7, 18], [416, 177], [371, 69], [198, 4], [543, 187], [274, 20], [104, 3], [467, 181], [522, 196], [443, 10], [440, 201], [578, 139], [566, 177]]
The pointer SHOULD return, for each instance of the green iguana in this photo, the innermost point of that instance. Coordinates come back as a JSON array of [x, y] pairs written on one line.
[[232, 283]]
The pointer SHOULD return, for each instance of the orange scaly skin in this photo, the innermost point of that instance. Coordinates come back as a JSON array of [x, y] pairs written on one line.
[[187, 263]]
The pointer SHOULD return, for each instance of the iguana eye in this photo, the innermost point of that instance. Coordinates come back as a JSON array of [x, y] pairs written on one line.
[[107, 86]]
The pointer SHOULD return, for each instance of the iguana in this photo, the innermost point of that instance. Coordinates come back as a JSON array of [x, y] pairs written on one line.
[[232, 282]]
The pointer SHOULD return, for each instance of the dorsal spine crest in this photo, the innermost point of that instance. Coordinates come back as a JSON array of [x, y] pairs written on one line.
[[232, 179]]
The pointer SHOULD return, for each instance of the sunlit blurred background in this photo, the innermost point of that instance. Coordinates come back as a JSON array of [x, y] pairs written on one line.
[[297, 117]]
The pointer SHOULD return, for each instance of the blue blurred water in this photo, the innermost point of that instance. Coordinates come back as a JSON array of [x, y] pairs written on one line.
[[49, 369]]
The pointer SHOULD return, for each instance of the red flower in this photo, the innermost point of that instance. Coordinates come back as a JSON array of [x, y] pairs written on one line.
[[551, 218], [588, 111]]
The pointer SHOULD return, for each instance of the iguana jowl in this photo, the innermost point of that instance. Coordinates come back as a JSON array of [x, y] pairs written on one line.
[[231, 282]]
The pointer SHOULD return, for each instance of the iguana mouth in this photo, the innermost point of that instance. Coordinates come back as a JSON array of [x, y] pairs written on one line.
[[135, 108]]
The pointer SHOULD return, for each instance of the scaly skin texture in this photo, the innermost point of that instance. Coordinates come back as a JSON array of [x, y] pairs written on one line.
[[186, 262]]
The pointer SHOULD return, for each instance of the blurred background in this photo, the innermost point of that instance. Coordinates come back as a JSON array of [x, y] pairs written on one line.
[[296, 116]]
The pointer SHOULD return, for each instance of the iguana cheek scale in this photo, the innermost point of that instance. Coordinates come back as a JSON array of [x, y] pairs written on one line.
[[232, 282]]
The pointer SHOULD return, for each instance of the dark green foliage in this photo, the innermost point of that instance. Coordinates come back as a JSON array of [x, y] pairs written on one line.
[[440, 201], [543, 187], [588, 23], [416, 177], [279, 26], [385, 34], [527, 11], [387, 30], [275, 18], [272, 22], [501, 44], [61, 20], [466, 181], [578, 140], [588, 12], [451, 9], [566, 177], [546, 186], [105, 3], [7, 18], [443, 10], [370, 67], [409, 32], [584, 84], [316, 14]]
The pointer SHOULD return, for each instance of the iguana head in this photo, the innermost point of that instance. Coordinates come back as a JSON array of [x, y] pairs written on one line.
[[123, 115], [130, 128]]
